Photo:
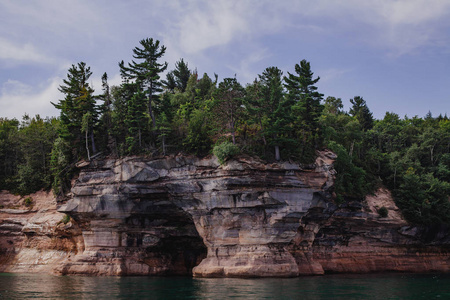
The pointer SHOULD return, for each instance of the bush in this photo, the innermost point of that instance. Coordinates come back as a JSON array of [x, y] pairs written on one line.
[[225, 150], [198, 139], [351, 180], [65, 219], [383, 212], [28, 201]]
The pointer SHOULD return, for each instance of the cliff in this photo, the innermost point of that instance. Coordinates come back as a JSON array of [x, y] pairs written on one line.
[[185, 215]]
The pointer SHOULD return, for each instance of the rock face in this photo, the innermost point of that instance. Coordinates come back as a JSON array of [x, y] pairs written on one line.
[[33, 238], [185, 215]]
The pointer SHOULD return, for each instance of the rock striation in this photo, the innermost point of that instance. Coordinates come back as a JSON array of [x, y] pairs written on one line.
[[185, 215]]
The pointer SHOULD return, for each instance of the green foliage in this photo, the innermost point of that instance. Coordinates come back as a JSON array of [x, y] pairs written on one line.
[[79, 115], [276, 117], [271, 110], [306, 107], [198, 139], [9, 150], [351, 180], [137, 122], [225, 151], [383, 212], [362, 113], [228, 100], [145, 71], [65, 219], [61, 167], [25, 154], [28, 202], [423, 198]]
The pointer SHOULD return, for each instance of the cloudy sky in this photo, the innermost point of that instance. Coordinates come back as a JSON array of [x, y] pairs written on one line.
[[393, 53]]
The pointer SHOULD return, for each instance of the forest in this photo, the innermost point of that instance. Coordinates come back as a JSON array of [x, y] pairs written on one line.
[[277, 117]]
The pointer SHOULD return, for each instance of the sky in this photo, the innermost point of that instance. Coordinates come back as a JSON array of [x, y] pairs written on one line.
[[393, 53]]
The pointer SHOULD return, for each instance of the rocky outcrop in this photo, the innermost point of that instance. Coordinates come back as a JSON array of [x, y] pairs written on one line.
[[185, 215], [354, 238], [169, 215], [33, 236]]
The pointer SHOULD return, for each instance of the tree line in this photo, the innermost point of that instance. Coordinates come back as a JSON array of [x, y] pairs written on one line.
[[277, 117]]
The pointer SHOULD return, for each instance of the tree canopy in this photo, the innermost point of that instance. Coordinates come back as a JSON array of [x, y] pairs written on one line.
[[275, 117]]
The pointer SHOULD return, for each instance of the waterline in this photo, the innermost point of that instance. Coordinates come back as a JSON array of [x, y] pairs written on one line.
[[379, 286]]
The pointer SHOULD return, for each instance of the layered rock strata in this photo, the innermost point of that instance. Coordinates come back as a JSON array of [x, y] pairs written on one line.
[[33, 235], [160, 216], [185, 215]]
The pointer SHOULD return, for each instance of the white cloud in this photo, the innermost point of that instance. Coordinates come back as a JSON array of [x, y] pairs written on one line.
[[23, 53], [53, 16], [17, 98], [216, 23], [401, 26], [195, 26]]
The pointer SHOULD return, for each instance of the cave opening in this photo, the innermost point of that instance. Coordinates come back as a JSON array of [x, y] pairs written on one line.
[[165, 237]]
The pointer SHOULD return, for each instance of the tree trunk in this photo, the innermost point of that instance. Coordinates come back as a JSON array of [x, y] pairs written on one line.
[[140, 142], [232, 133], [263, 136], [277, 153], [431, 153], [94, 149], [164, 144], [150, 110], [87, 146], [351, 150]]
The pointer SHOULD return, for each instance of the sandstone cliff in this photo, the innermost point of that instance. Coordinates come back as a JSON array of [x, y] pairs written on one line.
[[185, 215]]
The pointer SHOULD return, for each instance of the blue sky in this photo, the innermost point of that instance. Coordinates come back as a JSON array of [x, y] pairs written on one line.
[[394, 54]]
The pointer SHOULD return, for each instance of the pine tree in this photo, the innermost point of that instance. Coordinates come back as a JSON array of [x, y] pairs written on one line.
[[181, 74], [228, 104], [266, 102], [361, 112], [170, 83], [136, 120], [276, 108], [307, 107], [303, 92], [78, 101], [146, 71]]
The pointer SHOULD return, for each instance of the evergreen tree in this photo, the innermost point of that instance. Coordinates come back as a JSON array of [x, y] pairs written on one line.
[[170, 83], [136, 120], [36, 137], [333, 106], [362, 113], [228, 104], [9, 152], [146, 72], [305, 99], [267, 103], [182, 74], [78, 101], [106, 116], [303, 92], [120, 96]]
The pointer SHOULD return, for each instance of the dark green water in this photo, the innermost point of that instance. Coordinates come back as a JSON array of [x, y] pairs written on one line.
[[380, 286]]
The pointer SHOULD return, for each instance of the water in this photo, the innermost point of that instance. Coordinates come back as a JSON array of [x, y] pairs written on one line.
[[380, 286]]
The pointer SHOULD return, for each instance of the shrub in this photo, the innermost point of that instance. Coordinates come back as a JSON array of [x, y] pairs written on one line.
[[28, 201], [383, 212], [351, 180], [225, 151], [65, 219]]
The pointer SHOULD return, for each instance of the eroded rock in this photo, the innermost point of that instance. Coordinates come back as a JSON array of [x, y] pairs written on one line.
[[184, 215]]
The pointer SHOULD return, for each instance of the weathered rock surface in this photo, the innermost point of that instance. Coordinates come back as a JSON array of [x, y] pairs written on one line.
[[34, 238], [185, 215]]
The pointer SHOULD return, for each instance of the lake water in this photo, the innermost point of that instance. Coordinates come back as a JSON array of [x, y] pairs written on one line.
[[380, 286]]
